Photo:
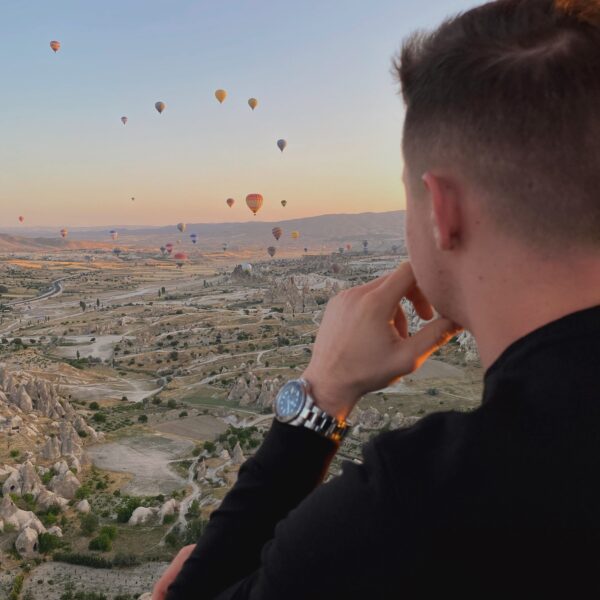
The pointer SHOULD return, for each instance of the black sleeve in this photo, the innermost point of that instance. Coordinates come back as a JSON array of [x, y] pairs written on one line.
[[289, 464], [330, 545]]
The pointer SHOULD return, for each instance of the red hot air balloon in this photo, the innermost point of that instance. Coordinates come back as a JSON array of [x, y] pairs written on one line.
[[21, 218], [180, 258], [230, 202], [169, 247], [277, 231], [348, 246], [254, 202]]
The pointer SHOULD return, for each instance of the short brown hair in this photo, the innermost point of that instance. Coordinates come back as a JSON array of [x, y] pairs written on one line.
[[510, 92]]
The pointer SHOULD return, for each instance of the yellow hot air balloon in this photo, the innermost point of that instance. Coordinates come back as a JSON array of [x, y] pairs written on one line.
[[295, 235], [254, 202], [220, 95], [55, 45], [181, 227], [160, 106], [253, 103]]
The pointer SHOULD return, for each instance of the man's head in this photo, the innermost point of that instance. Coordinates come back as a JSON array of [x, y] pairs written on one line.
[[501, 138]]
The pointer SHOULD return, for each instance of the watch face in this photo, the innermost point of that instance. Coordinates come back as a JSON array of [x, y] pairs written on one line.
[[290, 401]]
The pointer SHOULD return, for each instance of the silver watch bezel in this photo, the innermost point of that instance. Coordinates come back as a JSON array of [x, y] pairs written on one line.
[[305, 391]]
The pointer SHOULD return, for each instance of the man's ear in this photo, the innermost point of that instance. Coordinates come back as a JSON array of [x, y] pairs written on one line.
[[445, 210]]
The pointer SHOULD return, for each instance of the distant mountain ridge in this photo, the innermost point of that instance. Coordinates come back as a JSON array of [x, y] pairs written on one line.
[[378, 228]]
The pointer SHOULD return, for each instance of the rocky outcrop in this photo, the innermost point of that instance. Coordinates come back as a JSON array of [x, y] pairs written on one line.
[[247, 391], [238, 456], [170, 507], [26, 543], [47, 499], [18, 518], [468, 345], [65, 485], [141, 515], [201, 469], [83, 506]]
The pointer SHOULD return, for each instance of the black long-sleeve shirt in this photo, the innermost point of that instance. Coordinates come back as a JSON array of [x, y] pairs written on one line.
[[503, 500]]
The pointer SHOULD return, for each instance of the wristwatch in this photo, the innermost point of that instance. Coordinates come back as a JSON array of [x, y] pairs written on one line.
[[294, 405]]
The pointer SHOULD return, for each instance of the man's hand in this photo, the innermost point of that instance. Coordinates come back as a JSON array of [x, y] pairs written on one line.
[[363, 343], [162, 585]]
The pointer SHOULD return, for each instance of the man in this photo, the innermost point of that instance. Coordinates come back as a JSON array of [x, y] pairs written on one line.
[[502, 173]]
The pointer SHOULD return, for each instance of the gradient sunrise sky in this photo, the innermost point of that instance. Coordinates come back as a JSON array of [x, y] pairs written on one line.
[[320, 70]]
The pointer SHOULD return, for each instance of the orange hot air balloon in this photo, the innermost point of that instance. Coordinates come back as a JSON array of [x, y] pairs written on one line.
[[220, 95], [55, 45], [348, 246], [284, 203], [277, 231], [63, 233], [160, 106], [21, 219], [230, 202], [271, 250], [295, 235], [254, 202], [253, 103]]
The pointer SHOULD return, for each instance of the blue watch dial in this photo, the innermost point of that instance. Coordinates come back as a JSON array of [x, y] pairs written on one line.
[[290, 400]]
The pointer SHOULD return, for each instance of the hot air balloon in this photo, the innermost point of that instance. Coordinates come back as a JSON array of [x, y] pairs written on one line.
[[21, 218], [160, 106], [117, 251], [55, 45], [253, 103], [163, 250], [132, 198], [169, 247], [194, 237], [284, 203], [277, 231], [180, 258], [247, 268], [220, 95], [335, 268], [114, 234], [305, 249], [271, 250], [394, 248], [348, 247], [124, 120], [224, 246], [281, 144], [341, 250], [365, 244], [230, 202], [254, 202], [295, 235], [63, 233], [181, 227]]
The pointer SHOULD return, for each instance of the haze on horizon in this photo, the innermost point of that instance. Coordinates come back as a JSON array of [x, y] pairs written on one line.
[[321, 73]]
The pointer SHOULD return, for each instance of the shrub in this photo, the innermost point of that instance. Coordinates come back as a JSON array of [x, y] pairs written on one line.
[[102, 543], [143, 419], [94, 406], [110, 531], [99, 417], [172, 403], [48, 542], [122, 559], [126, 509], [88, 523], [183, 413], [87, 560]]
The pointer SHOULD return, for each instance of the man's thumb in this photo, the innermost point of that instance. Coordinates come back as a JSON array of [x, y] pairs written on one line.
[[419, 346]]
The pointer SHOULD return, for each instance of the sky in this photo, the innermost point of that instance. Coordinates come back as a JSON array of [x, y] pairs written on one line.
[[320, 69]]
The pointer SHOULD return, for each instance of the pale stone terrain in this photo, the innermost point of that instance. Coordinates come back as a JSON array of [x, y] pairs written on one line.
[[131, 391]]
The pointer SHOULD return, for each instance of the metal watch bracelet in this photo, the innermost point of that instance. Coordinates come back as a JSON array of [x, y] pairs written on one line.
[[316, 419]]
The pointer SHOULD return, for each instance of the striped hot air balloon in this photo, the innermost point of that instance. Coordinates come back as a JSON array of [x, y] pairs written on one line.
[[277, 231], [63, 232], [254, 202]]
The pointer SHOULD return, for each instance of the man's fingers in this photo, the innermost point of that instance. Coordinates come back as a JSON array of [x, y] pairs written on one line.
[[396, 285], [371, 285], [417, 348], [421, 304]]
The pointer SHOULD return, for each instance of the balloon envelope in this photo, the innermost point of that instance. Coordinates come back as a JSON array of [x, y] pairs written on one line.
[[181, 227], [160, 106], [271, 250], [124, 120], [194, 237], [277, 231], [252, 103], [281, 144], [254, 202], [114, 234], [247, 267], [348, 246], [295, 235], [220, 95], [55, 45], [169, 247], [230, 202], [284, 203], [21, 219], [63, 233]]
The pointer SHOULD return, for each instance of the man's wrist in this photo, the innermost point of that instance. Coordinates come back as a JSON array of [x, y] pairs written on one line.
[[336, 400]]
